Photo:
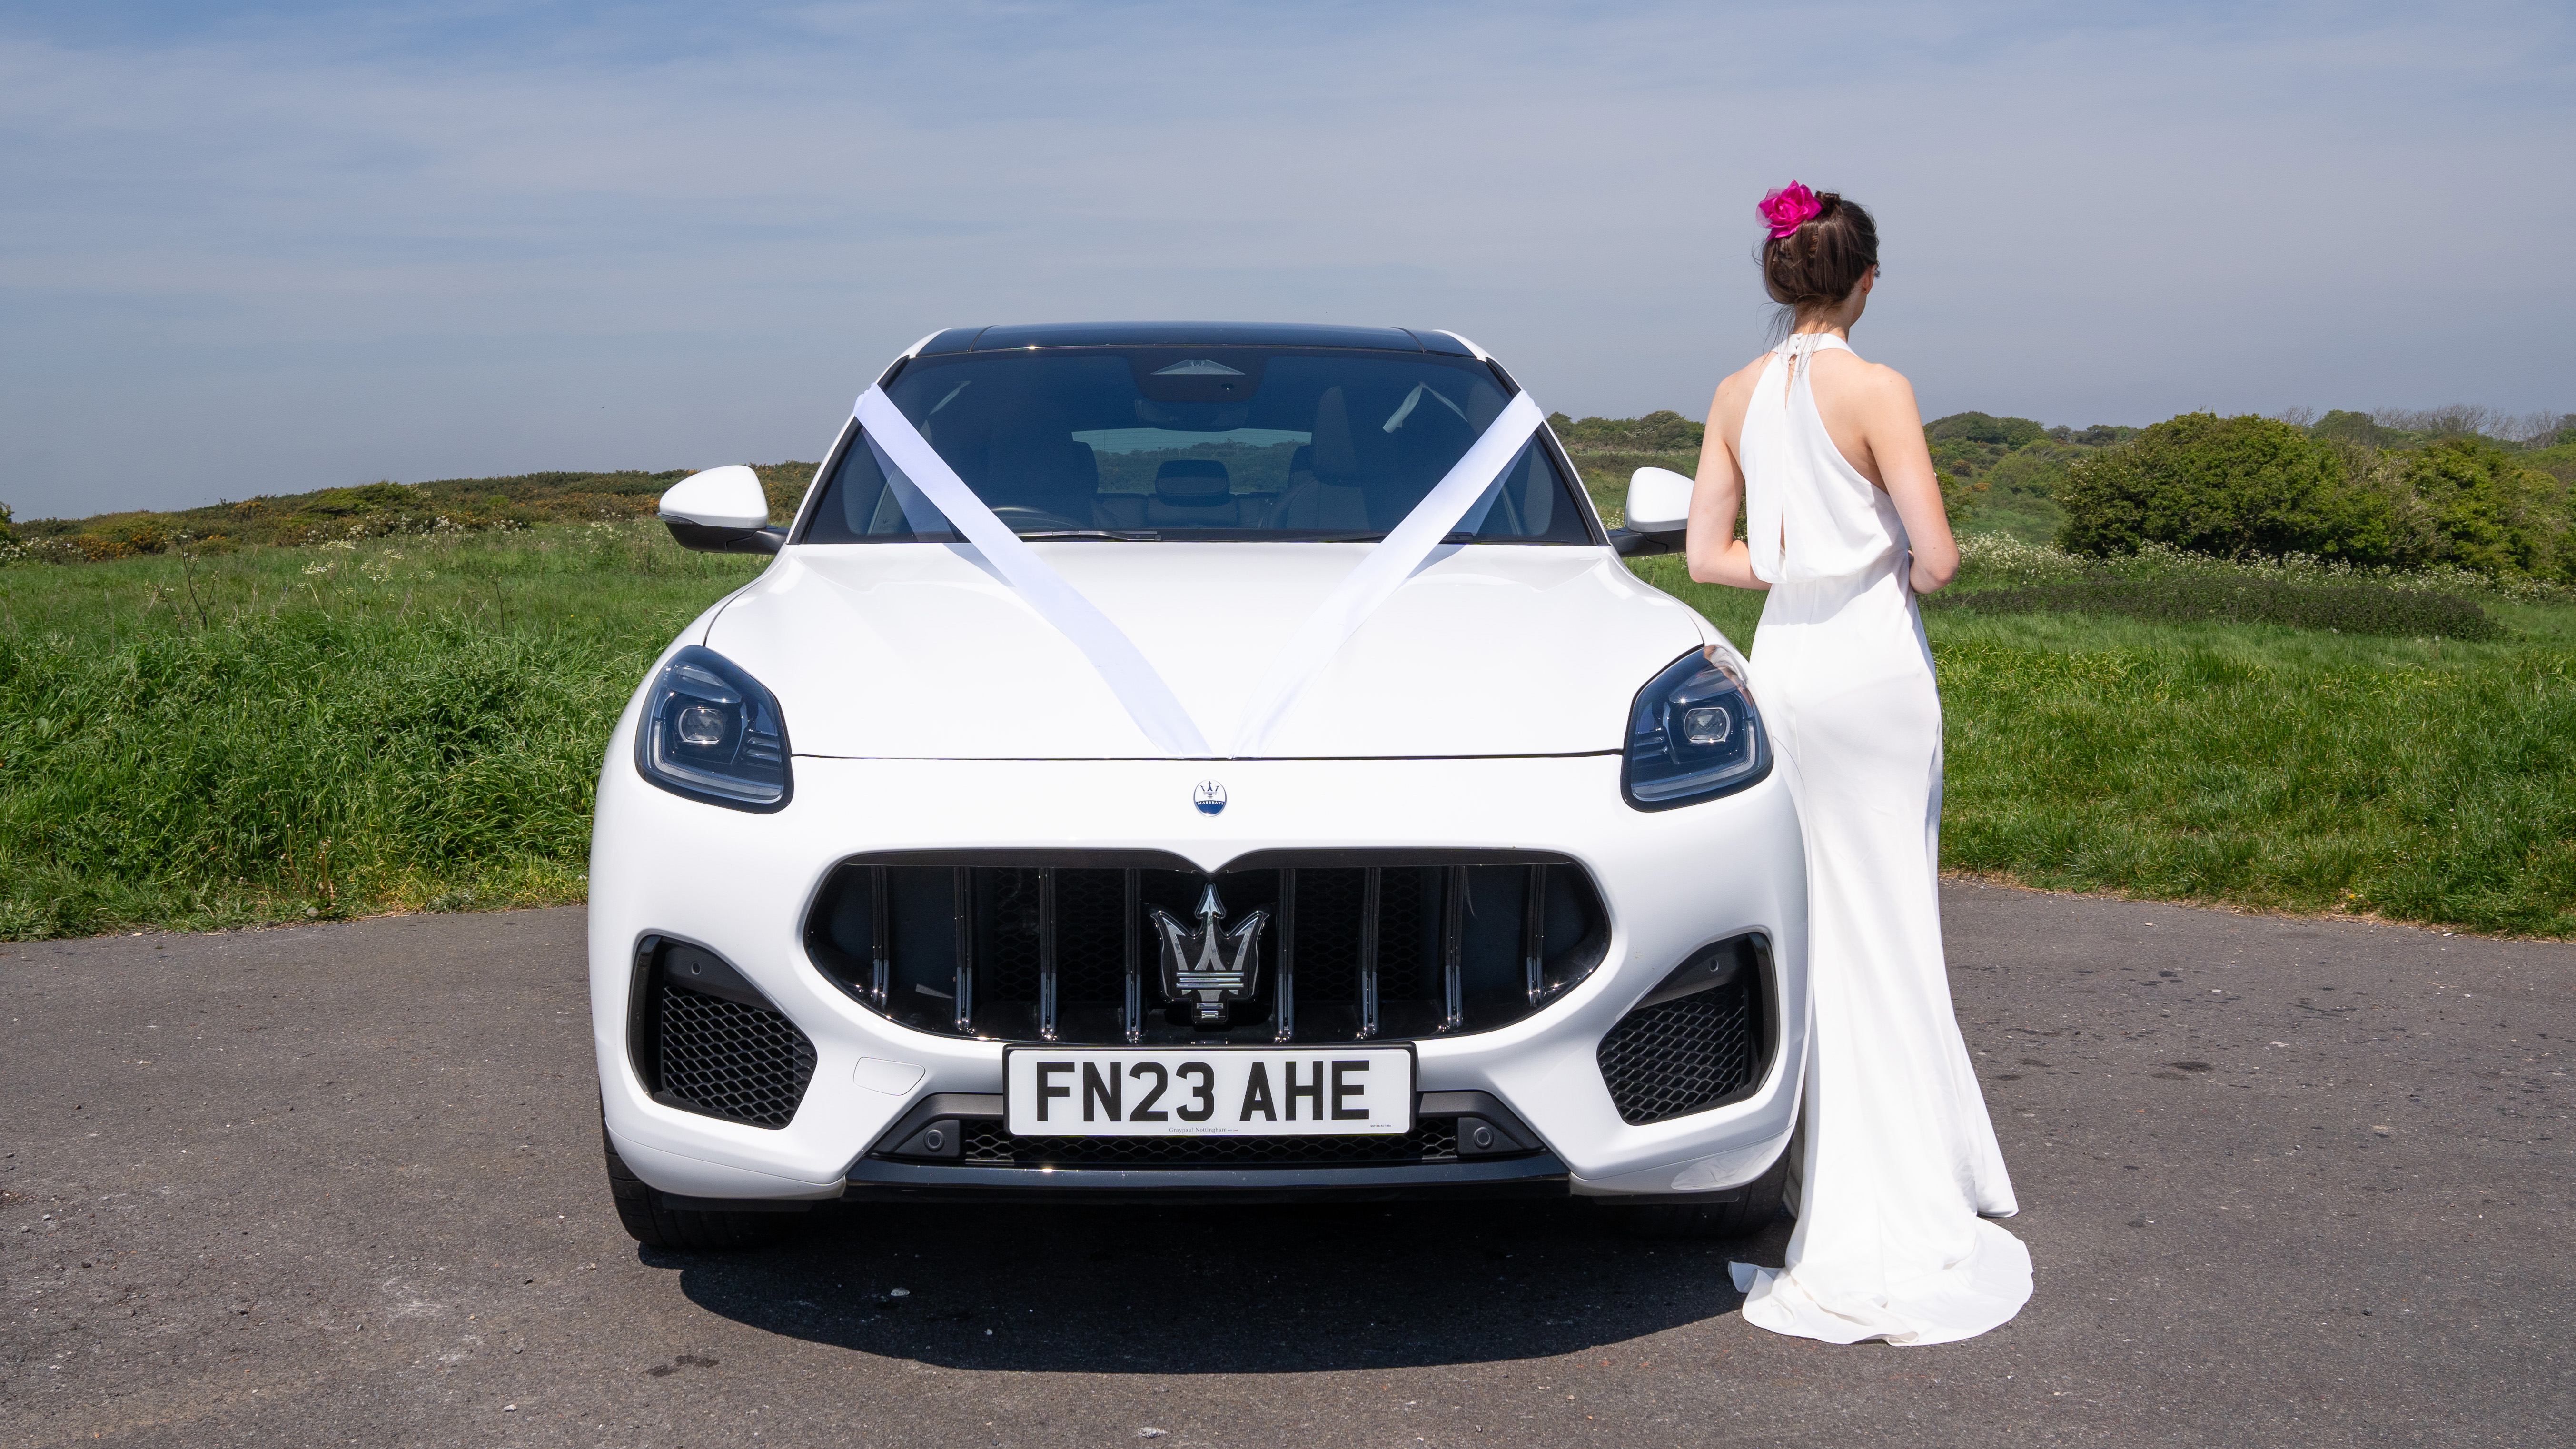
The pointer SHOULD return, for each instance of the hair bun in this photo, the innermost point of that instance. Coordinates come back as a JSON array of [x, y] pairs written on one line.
[[1819, 248]]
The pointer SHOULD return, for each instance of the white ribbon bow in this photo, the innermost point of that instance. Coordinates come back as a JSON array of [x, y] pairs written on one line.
[[1140, 688]]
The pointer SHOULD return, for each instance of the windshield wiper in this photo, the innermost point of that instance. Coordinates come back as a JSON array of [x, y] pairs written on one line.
[[1116, 535], [1454, 536]]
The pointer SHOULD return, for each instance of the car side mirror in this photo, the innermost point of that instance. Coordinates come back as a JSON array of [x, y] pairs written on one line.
[[722, 510], [1658, 510]]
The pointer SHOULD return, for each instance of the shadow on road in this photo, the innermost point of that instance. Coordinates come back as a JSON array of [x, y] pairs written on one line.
[[1217, 1289]]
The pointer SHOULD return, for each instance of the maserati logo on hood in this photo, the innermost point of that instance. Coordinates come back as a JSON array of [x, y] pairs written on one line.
[[1210, 797]]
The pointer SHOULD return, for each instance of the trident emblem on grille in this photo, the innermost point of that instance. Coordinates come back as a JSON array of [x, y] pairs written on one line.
[[1209, 970]]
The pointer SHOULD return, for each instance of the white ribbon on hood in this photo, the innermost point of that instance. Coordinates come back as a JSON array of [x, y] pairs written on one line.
[[1123, 667], [1381, 573]]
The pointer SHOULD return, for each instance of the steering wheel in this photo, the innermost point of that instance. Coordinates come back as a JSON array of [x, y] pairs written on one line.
[[1024, 519]]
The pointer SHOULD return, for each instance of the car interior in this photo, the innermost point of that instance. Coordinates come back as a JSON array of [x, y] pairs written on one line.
[[1327, 445]]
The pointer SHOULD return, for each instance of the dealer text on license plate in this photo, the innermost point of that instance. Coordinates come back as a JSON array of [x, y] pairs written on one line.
[[1200, 1092]]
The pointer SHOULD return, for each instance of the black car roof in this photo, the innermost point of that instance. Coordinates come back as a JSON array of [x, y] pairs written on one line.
[[1190, 334]]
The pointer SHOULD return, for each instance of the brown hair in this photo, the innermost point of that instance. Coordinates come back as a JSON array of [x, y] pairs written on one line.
[[1819, 264]]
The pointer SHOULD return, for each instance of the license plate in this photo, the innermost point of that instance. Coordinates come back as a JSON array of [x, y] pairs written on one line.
[[1208, 1092]]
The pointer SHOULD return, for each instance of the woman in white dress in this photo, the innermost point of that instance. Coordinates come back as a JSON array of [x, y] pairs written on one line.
[[1825, 454]]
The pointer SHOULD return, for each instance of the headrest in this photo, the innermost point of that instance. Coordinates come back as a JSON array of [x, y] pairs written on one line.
[[1198, 482], [1303, 460]]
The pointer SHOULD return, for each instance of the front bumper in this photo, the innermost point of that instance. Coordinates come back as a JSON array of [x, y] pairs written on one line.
[[739, 884]]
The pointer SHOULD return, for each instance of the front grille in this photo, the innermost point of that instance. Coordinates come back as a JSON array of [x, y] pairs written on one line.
[[1355, 945], [715, 1047], [986, 1144], [1690, 1053]]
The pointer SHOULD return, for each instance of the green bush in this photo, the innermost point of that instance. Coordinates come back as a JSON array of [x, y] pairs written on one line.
[[2490, 513], [439, 507], [2359, 429], [1657, 432], [2233, 487], [2099, 435], [1984, 428], [2343, 608]]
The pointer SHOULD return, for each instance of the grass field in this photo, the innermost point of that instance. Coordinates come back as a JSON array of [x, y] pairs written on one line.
[[2292, 769], [416, 723], [280, 734]]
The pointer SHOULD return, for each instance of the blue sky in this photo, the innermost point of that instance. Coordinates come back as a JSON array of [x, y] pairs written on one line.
[[269, 248]]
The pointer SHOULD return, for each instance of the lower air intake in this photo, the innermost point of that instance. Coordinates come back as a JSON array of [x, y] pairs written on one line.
[[708, 1042], [1678, 1054]]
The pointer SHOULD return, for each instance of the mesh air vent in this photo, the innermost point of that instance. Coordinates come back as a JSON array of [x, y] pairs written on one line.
[[1683, 1055], [729, 1058]]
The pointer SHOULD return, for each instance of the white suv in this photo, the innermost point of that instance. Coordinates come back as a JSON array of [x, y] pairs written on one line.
[[1190, 760]]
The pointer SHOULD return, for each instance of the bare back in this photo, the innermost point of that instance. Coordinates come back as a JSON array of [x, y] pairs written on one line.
[[1868, 410]]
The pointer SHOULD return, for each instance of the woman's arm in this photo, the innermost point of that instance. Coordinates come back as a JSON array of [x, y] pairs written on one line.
[[1895, 430], [1715, 554]]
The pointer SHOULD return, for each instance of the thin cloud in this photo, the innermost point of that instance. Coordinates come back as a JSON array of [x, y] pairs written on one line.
[[322, 245]]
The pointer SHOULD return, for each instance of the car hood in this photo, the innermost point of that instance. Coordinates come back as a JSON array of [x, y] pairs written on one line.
[[920, 651]]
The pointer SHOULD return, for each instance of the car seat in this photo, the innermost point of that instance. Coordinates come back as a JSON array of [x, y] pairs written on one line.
[[1193, 493], [1319, 498]]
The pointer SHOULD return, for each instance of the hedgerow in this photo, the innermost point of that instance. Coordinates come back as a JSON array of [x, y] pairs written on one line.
[[2251, 487], [2341, 608]]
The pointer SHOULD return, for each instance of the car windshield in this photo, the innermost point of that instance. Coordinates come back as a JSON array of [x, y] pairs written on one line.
[[1194, 443]]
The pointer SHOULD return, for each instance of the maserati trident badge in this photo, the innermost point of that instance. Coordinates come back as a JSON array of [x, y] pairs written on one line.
[[1210, 969], [1209, 796]]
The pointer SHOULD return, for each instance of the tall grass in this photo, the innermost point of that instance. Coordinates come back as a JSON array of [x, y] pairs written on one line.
[[290, 734], [2417, 779], [283, 734]]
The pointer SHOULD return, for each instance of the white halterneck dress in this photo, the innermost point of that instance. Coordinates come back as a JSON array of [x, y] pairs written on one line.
[[1901, 1168]]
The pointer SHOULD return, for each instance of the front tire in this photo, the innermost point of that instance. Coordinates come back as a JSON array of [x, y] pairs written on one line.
[[640, 1212], [1758, 1207]]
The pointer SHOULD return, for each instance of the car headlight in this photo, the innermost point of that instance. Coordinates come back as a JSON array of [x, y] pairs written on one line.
[[710, 732], [1693, 735]]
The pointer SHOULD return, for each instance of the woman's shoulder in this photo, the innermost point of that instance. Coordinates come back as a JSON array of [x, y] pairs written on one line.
[[1858, 368], [1847, 371], [1741, 382]]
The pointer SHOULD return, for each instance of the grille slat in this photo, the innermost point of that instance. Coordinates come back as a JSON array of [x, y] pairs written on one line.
[[880, 954], [1048, 932], [962, 921], [1372, 939], [1131, 896], [1533, 932], [1390, 945], [1453, 944], [1285, 1027]]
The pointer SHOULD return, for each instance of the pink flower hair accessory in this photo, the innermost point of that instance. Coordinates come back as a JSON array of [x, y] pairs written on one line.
[[1789, 208]]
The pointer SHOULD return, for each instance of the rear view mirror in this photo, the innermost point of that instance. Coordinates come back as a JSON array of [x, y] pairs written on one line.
[[722, 510], [1658, 509]]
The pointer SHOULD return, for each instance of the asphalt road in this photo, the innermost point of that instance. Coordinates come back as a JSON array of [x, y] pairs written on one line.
[[2285, 1181]]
